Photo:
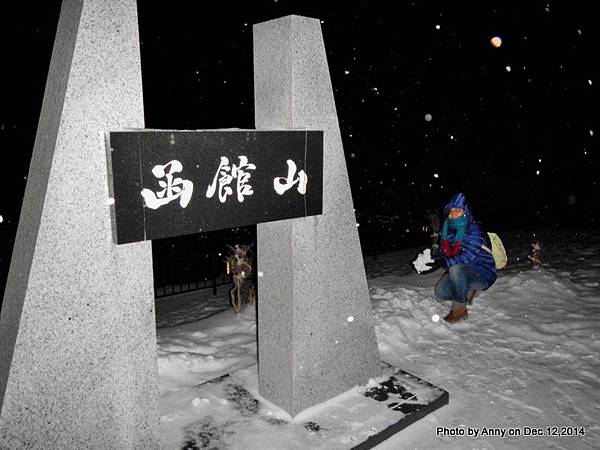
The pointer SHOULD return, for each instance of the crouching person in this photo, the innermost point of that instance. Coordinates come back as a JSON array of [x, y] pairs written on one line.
[[464, 252]]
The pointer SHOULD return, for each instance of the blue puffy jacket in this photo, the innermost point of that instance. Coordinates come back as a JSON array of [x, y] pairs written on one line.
[[471, 251]]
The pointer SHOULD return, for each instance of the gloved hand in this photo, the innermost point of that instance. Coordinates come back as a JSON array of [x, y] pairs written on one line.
[[450, 250], [438, 261]]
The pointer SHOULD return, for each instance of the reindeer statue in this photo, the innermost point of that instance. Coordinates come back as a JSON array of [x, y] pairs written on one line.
[[239, 264], [535, 254]]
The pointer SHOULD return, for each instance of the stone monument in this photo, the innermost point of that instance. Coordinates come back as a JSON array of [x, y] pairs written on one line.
[[77, 331], [315, 337]]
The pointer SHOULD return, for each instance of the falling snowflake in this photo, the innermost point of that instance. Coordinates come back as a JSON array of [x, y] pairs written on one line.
[[496, 41]]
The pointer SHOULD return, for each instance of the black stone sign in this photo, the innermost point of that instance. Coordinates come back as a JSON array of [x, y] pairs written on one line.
[[171, 183]]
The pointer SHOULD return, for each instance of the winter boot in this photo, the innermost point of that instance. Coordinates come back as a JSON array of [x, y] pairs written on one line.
[[457, 312]]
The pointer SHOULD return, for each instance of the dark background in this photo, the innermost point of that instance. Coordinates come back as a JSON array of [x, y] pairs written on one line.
[[513, 127]]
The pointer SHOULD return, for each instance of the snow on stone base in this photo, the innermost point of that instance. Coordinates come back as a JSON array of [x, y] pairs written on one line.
[[231, 414]]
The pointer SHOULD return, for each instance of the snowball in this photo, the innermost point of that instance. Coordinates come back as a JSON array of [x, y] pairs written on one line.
[[496, 41], [428, 117], [1, 219], [350, 319], [435, 318], [110, 201], [422, 260]]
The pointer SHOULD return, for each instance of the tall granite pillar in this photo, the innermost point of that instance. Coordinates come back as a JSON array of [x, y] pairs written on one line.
[[77, 331], [315, 329]]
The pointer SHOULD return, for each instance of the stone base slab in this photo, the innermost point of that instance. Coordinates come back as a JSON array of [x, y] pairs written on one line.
[[360, 418]]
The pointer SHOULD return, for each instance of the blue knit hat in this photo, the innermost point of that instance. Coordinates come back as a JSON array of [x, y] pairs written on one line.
[[459, 201]]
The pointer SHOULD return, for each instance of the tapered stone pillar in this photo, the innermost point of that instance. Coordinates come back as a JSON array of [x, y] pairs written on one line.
[[77, 330], [315, 329]]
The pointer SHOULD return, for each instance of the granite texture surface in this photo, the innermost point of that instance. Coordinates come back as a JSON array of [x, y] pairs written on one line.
[[77, 332], [315, 329]]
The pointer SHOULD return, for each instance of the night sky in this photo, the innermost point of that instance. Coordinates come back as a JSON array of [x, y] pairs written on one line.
[[427, 105]]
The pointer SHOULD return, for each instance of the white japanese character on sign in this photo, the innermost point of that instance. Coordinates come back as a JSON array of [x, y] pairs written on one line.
[[282, 184], [172, 188], [227, 175], [224, 181]]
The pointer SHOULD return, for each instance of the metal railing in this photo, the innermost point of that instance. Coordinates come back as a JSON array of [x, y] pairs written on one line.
[[181, 274]]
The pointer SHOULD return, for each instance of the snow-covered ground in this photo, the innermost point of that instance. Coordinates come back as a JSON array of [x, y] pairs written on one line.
[[528, 357]]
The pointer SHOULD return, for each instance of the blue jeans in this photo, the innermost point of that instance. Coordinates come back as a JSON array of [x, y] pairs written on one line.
[[457, 281]]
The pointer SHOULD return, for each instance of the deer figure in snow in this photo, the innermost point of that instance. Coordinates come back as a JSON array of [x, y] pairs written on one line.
[[535, 254], [239, 265]]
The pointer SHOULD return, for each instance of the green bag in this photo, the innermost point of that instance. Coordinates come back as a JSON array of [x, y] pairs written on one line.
[[498, 251]]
